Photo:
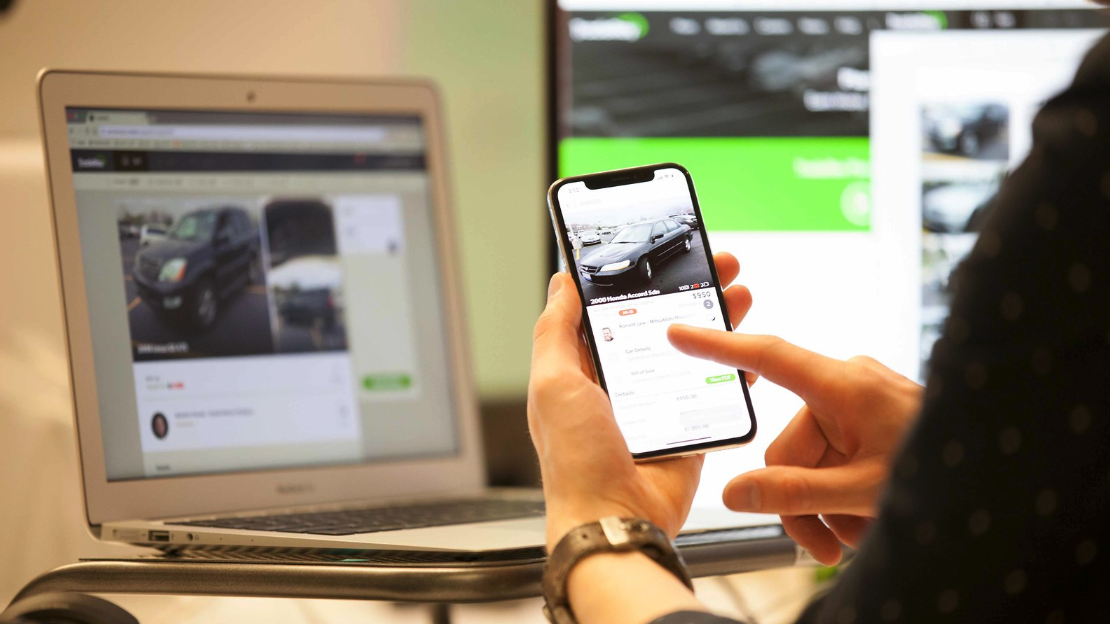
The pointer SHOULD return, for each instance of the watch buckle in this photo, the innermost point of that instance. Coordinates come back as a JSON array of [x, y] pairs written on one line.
[[615, 531]]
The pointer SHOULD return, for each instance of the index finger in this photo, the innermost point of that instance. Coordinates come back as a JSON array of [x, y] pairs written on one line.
[[728, 267], [803, 372]]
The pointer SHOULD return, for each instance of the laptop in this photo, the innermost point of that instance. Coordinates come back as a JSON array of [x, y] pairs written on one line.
[[264, 318]]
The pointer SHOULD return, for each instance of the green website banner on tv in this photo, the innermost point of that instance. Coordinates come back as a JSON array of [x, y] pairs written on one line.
[[751, 184]]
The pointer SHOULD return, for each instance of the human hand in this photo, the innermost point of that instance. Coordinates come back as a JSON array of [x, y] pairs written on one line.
[[587, 470], [834, 457]]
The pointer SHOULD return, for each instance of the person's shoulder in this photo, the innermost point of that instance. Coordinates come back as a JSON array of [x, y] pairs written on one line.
[[1073, 128], [1094, 71]]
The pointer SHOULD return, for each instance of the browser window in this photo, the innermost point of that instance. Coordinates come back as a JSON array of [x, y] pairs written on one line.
[[844, 150], [262, 288], [959, 114]]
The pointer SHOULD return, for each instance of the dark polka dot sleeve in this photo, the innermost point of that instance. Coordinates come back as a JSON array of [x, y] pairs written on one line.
[[999, 505], [998, 509]]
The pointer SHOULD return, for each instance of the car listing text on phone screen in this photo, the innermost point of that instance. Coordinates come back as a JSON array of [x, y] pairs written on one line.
[[640, 259]]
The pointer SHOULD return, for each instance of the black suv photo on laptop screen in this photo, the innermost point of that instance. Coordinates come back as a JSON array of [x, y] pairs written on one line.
[[227, 279]]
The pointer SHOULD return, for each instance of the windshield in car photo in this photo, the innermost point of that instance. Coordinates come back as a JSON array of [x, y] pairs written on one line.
[[194, 227], [633, 234]]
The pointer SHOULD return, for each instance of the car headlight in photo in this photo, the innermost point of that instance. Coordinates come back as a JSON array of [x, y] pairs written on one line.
[[616, 266], [173, 270]]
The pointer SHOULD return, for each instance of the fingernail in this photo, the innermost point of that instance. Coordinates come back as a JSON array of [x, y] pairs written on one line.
[[746, 497], [554, 285]]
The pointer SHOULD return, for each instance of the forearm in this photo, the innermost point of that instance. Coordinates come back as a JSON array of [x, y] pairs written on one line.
[[625, 588]]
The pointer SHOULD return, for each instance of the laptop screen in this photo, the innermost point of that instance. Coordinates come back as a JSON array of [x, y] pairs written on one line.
[[263, 290]]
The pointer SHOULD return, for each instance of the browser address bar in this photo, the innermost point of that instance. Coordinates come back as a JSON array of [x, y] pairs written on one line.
[[330, 134]]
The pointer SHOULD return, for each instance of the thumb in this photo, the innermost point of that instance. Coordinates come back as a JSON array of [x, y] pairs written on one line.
[[562, 298], [555, 338], [797, 491]]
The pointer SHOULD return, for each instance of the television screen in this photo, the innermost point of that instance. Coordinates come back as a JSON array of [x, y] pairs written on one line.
[[846, 151]]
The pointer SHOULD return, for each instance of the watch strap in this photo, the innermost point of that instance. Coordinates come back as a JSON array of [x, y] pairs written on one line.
[[610, 534]]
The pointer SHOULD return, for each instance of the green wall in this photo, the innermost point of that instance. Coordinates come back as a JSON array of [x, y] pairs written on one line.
[[487, 57]]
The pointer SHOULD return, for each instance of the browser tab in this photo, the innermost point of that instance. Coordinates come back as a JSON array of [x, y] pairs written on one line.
[[773, 26], [118, 117], [847, 25], [1005, 19], [235, 132], [925, 21], [627, 27], [813, 26], [727, 26], [980, 19], [130, 161], [685, 26]]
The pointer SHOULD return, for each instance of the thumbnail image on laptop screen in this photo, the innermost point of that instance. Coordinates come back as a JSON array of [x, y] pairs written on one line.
[[263, 290]]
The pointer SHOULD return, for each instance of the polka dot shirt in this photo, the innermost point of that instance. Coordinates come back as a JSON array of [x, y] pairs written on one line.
[[998, 508]]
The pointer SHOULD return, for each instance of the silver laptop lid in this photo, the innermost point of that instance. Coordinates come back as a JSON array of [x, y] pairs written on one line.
[[259, 287]]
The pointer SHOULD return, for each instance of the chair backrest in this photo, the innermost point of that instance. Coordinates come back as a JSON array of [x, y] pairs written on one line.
[[65, 608]]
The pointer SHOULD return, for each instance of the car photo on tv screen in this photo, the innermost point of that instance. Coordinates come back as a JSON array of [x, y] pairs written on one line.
[[973, 130], [955, 207]]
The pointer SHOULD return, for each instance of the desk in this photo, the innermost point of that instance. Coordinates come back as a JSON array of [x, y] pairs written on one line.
[[395, 576]]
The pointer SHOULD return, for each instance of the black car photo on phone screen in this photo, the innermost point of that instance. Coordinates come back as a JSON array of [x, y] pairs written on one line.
[[635, 252]]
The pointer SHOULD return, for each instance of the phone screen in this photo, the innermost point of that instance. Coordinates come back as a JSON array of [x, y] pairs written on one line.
[[641, 259]]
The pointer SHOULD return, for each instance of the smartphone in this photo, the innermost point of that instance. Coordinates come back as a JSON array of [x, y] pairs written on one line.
[[635, 242]]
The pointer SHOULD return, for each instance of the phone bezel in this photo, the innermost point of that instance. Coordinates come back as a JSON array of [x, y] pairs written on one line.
[[636, 175]]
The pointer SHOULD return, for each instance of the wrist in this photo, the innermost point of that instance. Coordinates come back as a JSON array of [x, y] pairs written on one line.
[[619, 553], [626, 587]]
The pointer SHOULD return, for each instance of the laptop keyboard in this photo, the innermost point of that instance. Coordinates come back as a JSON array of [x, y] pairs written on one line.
[[373, 520]]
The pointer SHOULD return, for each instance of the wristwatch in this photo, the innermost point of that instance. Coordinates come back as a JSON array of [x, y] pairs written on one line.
[[610, 534]]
